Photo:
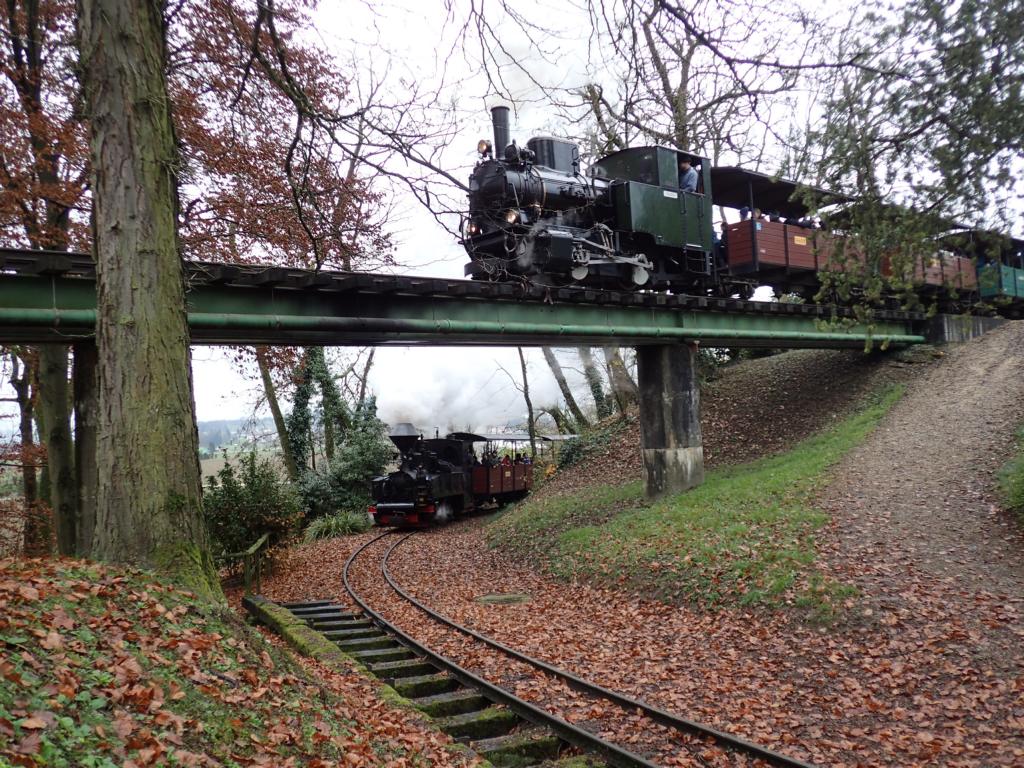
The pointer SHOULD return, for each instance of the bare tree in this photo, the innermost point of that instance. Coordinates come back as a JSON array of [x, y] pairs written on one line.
[[563, 385], [531, 425]]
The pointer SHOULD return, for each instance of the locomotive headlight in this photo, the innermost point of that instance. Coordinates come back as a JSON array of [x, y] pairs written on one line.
[[511, 215], [483, 147], [472, 229]]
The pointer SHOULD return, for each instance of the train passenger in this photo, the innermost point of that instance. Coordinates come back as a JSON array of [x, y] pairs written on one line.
[[687, 176], [744, 213], [506, 461], [721, 245]]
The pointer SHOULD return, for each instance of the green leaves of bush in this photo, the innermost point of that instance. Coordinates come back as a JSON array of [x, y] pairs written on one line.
[[345, 484], [244, 502]]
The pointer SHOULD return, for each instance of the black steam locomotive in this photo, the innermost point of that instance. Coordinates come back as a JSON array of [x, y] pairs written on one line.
[[533, 215], [441, 478]]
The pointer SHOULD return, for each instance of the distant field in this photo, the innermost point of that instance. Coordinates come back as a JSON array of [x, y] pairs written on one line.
[[214, 464]]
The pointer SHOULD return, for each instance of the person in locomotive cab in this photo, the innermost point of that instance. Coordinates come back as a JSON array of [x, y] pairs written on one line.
[[687, 175]]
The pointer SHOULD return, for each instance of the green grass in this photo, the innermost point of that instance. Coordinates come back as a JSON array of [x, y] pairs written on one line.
[[746, 536], [100, 666], [1011, 479], [338, 524]]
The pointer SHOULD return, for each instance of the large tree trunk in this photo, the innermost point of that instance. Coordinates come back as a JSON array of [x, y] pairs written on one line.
[[623, 387], [86, 408], [532, 428], [563, 385], [593, 376], [56, 419], [275, 409], [149, 499]]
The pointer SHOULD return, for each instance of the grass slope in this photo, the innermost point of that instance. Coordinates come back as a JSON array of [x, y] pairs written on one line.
[[105, 668], [1011, 479], [745, 536]]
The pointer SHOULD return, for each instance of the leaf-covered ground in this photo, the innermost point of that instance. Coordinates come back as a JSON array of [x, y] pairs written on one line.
[[105, 667]]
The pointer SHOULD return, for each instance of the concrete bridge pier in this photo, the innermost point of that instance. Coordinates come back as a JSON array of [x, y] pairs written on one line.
[[670, 437]]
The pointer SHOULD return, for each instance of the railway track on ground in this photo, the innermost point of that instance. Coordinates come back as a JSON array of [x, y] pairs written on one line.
[[495, 722]]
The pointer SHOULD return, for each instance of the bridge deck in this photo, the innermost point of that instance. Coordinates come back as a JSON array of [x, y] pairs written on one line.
[[46, 296]]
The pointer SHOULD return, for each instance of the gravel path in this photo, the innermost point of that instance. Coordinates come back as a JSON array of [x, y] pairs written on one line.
[[920, 490]]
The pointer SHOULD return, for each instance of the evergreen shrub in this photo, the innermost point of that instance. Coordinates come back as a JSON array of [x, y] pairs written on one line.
[[242, 503], [363, 454]]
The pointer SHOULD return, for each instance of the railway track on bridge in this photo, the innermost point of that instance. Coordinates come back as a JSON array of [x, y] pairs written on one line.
[[32, 263], [494, 720]]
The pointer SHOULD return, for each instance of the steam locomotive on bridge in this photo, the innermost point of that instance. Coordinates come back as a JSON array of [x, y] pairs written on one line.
[[441, 478], [534, 216]]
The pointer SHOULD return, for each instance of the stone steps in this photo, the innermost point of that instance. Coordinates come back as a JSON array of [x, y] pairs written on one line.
[[457, 702], [519, 748], [492, 731]]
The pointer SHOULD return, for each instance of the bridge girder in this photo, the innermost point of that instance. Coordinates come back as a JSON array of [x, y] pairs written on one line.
[[275, 306]]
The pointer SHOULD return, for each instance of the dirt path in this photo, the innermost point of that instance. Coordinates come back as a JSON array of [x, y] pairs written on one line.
[[920, 490]]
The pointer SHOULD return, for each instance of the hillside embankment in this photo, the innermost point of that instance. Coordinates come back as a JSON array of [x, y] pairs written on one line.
[[108, 667], [753, 408]]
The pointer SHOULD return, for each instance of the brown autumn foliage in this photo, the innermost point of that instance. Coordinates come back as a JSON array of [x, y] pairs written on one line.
[[256, 184]]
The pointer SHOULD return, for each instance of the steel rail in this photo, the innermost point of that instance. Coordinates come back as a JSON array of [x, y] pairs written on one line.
[[658, 715], [564, 729]]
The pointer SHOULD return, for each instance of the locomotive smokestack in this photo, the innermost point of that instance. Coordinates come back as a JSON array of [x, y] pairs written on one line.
[[502, 134], [404, 436]]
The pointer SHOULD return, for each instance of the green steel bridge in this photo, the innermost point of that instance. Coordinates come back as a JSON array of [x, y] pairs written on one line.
[[51, 297]]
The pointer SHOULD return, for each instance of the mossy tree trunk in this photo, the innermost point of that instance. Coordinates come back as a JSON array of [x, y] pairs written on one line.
[[149, 501], [86, 407], [54, 403], [623, 386], [593, 376]]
